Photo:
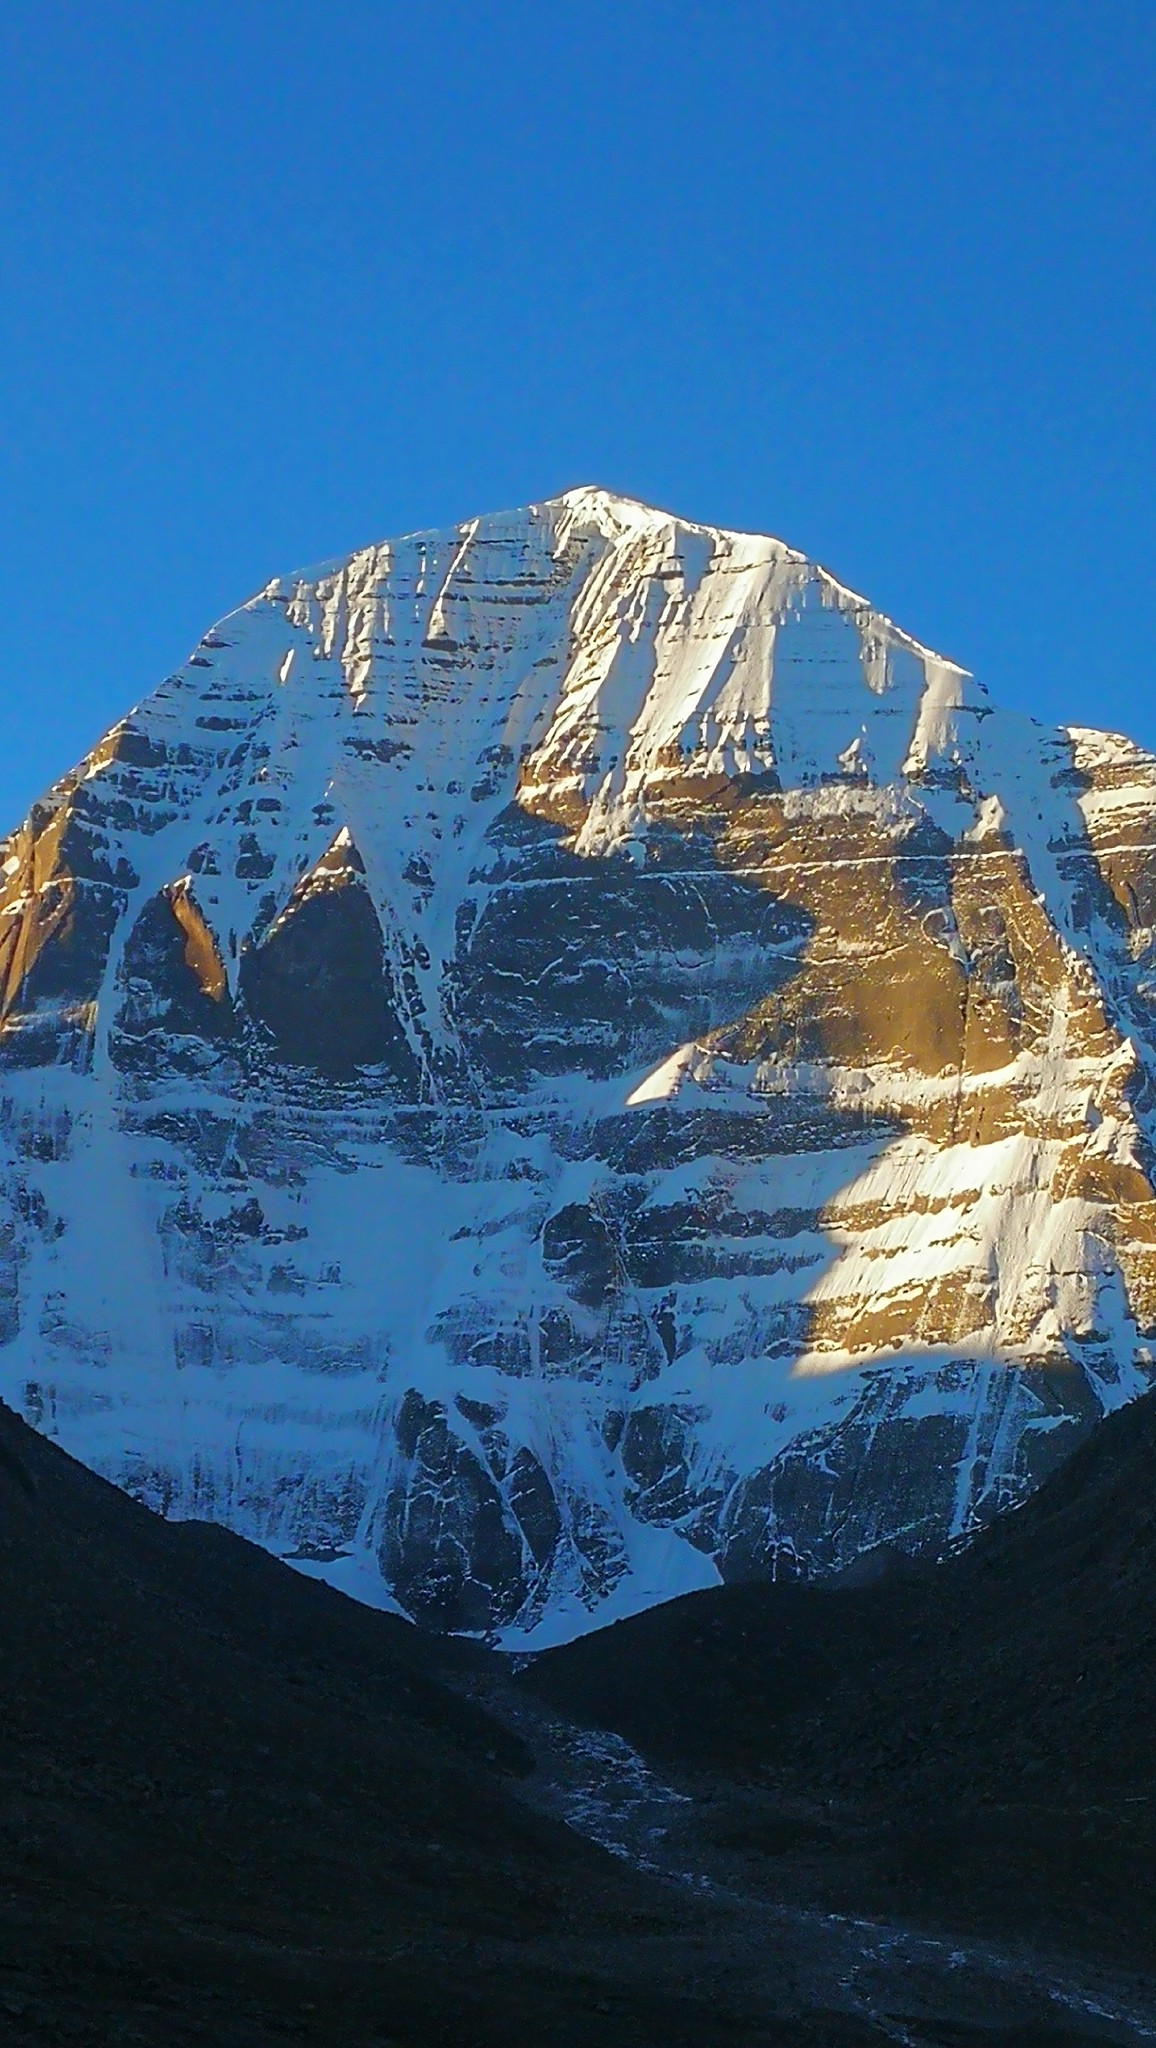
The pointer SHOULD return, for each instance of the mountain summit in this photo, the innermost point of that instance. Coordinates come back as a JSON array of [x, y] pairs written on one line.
[[563, 1059]]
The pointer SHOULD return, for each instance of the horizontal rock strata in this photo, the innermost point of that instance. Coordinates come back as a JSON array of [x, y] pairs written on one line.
[[563, 1059]]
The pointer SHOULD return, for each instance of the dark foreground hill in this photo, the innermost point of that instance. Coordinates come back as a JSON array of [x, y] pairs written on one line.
[[976, 1740], [238, 1809]]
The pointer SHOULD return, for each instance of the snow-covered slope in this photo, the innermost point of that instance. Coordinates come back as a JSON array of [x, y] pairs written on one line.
[[563, 1058]]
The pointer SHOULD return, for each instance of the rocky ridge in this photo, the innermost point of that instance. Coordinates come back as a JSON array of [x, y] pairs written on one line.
[[560, 1060]]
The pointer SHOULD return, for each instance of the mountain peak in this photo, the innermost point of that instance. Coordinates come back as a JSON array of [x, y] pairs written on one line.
[[598, 503], [567, 1056]]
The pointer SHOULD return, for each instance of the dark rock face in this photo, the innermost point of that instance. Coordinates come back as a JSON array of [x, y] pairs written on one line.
[[171, 976], [447, 1544], [572, 966], [560, 1062], [320, 984]]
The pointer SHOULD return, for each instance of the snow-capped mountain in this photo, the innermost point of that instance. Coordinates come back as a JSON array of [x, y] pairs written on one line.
[[564, 1058]]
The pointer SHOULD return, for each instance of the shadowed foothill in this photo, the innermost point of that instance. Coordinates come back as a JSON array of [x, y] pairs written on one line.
[[972, 1739], [237, 1808]]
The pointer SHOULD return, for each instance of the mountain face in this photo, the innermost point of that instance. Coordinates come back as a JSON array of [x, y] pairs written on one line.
[[563, 1060]]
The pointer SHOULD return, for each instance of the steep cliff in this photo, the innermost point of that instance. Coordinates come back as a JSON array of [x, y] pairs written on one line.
[[563, 1059]]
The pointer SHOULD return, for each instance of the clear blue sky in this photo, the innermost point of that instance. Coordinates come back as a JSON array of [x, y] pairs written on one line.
[[277, 280]]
